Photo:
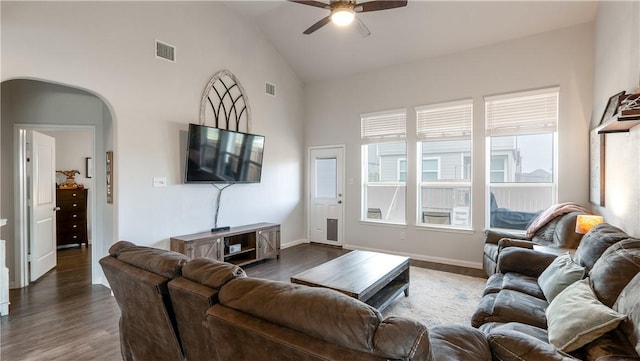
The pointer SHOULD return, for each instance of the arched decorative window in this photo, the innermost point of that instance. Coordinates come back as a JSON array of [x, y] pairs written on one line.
[[225, 104]]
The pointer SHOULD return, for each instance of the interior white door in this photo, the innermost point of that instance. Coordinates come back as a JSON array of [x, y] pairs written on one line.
[[41, 174], [326, 194]]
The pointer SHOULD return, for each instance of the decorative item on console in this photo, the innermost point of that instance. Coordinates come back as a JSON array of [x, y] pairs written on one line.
[[70, 182]]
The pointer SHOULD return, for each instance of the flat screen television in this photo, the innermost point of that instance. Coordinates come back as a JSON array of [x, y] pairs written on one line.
[[223, 156]]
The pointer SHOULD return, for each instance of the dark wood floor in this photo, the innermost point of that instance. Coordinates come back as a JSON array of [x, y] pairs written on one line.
[[64, 317]]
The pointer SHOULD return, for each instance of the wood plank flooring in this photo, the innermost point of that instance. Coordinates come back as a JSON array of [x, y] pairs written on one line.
[[64, 317]]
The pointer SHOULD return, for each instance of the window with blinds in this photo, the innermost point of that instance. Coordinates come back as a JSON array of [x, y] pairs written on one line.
[[444, 132], [384, 126], [445, 121], [531, 112], [521, 129], [384, 162]]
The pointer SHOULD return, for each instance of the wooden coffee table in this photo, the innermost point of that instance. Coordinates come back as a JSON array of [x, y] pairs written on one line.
[[374, 278]]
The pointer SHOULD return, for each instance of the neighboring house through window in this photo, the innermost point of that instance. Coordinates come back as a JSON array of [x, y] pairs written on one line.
[[444, 135], [522, 131], [402, 170], [384, 162]]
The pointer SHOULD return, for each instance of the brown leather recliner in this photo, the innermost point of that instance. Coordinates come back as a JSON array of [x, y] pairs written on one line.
[[191, 296], [557, 233], [258, 319], [138, 277]]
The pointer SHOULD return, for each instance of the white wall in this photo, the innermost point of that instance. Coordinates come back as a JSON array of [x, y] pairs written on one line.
[[561, 58], [108, 49], [617, 67]]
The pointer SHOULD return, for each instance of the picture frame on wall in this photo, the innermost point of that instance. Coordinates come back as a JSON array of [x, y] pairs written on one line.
[[612, 106], [88, 164], [109, 177]]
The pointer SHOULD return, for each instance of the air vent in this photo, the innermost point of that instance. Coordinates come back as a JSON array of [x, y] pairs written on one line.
[[270, 89], [165, 51]]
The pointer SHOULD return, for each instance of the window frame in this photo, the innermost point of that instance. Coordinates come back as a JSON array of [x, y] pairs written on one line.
[[387, 127], [549, 114], [452, 121]]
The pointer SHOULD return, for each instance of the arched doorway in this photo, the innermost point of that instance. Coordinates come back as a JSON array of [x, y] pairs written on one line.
[[35, 105]]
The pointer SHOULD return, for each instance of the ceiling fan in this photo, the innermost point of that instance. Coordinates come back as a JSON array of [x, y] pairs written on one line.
[[343, 12]]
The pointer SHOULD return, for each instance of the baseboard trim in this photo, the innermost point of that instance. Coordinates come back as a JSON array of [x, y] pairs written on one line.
[[293, 243], [419, 257]]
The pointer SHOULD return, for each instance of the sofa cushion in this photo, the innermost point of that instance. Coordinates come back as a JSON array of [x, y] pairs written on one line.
[[595, 242], [615, 268], [338, 318], [210, 272], [524, 261], [628, 303], [613, 345], [559, 232], [576, 317], [517, 341], [561, 273], [513, 281], [159, 261], [510, 306]]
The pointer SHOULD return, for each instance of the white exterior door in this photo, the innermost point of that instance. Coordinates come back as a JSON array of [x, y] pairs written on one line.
[[326, 195], [41, 170]]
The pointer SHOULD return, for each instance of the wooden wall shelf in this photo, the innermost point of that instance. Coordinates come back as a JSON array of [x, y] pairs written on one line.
[[618, 124]]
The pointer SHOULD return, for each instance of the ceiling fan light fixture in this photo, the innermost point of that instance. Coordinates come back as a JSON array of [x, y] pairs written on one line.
[[343, 16]]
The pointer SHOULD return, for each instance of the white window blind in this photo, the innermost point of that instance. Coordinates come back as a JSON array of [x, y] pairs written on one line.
[[445, 121], [531, 112], [384, 126]]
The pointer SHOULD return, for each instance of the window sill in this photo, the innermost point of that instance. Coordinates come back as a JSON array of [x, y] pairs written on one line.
[[369, 222], [446, 229]]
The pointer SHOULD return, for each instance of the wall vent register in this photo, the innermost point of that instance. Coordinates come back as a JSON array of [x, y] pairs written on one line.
[[165, 51]]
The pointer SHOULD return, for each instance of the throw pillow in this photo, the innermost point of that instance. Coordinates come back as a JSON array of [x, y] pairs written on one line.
[[576, 317], [558, 275]]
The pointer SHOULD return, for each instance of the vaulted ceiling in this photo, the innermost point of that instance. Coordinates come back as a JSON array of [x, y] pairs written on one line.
[[422, 29]]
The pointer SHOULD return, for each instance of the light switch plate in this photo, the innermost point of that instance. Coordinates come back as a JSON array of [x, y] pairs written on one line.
[[159, 181]]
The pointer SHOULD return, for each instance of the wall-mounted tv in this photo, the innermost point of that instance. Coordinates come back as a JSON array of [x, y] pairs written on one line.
[[223, 156]]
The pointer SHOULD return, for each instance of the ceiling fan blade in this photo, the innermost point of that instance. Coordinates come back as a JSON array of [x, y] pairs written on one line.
[[317, 4], [379, 5], [318, 25], [362, 28]]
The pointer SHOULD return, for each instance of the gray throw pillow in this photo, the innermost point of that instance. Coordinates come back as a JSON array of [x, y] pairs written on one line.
[[561, 273], [576, 317]]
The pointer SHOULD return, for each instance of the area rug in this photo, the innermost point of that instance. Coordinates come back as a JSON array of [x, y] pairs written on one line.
[[437, 297]]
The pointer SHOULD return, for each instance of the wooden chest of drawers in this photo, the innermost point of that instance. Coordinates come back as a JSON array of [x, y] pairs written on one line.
[[71, 219]]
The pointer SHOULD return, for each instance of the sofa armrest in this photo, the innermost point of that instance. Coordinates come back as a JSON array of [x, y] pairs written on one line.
[[494, 236], [524, 261], [459, 342], [512, 242]]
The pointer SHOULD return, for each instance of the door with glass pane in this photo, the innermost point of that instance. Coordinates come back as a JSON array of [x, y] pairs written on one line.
[[326, 187]]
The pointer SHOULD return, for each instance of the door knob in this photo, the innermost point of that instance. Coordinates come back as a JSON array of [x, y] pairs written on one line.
[[55, 209], [339, 202]]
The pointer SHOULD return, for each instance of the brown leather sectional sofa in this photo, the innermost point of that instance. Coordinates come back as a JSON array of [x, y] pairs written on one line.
[[513, 311], [173, 308]]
